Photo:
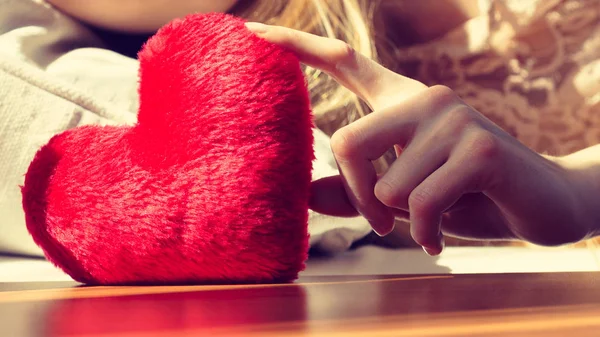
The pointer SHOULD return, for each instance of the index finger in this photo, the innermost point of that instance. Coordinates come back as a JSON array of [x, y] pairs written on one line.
[[376, 85]]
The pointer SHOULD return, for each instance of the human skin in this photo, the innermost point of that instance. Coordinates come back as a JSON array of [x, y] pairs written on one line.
[[457, 172], [136, 16], [146, 16]]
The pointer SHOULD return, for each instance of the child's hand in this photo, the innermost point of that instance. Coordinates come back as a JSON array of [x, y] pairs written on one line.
[[457, 172]]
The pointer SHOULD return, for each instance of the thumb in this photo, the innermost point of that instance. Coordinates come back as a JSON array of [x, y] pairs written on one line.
[[328, 196]]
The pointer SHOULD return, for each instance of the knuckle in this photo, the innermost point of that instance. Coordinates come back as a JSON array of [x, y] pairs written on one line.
[[342, 51], [419, 202], [441, 96], [484, 145], [390, 194], [458, 119], [384, 191], [345, 143]]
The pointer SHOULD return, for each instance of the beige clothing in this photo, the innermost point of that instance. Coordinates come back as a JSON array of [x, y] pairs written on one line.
[[55, 75], [532, 66]]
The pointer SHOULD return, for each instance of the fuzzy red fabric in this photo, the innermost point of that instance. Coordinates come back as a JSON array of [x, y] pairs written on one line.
[[210, 186]]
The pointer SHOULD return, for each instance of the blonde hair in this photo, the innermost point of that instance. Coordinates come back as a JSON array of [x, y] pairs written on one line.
[[352, 21], [348, 20], [334, 106]]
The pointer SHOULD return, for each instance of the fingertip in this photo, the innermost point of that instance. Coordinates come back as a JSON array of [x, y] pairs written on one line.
[[432, 251], [256, 27], [382, 232], [385, 225], [436, 249], [427, 234]]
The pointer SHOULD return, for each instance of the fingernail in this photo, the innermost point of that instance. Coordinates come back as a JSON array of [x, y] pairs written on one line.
[[431, 251], [383, 232], [256, 27]]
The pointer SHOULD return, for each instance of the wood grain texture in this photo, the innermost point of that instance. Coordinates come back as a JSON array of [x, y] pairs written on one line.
[[548, 304]]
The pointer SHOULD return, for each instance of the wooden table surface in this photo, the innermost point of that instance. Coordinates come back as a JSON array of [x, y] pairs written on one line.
[[545, 304]]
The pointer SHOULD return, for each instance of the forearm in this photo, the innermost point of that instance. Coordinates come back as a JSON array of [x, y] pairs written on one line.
[[141, 16], [585, 166]]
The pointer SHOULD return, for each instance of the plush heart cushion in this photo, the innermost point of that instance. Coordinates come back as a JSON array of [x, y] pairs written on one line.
[[210, 186]]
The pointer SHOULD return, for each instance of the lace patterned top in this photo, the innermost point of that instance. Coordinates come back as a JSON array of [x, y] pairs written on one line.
[[531, 66]]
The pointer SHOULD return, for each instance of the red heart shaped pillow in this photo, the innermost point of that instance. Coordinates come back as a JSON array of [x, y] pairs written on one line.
[[210, 186]]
